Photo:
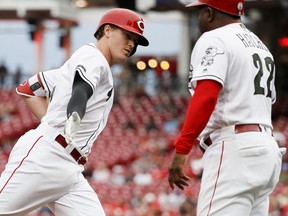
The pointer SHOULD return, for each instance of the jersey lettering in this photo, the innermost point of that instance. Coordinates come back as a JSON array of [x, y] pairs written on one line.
[[109, 94], [249, 40]]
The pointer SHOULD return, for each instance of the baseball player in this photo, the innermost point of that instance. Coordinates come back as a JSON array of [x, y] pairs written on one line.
[[231, 80], [73, 103]]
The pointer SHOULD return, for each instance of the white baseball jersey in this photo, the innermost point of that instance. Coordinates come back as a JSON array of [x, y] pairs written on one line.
[[56, 84], [237, 59], [240, 170], [52, 170]]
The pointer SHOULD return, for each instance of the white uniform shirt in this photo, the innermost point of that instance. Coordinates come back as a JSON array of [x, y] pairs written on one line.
[[237, 59], [92, 66]]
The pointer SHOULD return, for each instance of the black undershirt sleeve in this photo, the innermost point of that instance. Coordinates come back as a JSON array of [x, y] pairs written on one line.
[[81, 92]]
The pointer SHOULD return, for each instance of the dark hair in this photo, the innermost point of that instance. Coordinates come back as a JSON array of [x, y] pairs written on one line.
[[100, 32]]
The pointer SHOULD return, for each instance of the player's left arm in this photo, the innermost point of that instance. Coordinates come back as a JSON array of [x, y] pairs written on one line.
[[81, 92], [76, 108]]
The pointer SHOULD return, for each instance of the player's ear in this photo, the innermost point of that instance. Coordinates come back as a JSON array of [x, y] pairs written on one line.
[[210, 13], [106, 30]]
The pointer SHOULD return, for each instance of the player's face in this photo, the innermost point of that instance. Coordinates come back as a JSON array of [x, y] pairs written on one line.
[[122, 43]]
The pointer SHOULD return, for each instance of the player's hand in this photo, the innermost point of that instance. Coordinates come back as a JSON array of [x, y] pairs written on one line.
[[176, 174], [71, 127], [283, 150]]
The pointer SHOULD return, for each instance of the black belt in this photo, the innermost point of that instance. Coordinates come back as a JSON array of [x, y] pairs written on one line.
[[241, 128], [74, 153]]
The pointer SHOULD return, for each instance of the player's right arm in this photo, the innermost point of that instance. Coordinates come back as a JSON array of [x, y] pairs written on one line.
[[36, 92], [37, 105]]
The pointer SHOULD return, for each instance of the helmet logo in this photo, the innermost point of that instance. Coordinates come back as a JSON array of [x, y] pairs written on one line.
[[240, 8], [140, 25]]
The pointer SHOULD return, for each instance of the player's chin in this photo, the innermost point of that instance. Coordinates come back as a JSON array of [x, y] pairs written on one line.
[[122, 58]]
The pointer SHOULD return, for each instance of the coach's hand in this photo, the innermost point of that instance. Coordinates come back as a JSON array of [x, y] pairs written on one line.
[[71, 127], [176, 174]]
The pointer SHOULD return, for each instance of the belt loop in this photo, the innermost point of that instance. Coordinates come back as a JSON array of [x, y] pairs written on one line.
[[69, 148], [72, 150], [267, 130], [203, 145]]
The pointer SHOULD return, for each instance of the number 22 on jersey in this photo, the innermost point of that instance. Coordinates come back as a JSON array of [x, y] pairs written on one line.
[[263, 66]]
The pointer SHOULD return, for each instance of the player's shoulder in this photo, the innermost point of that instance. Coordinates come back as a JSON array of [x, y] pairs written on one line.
[[89, 56], [224, 34], [88, 51], [226, 30], [210, 37]]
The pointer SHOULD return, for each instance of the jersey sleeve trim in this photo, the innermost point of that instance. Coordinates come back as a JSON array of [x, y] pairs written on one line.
[[45, 85], [24, 89], [81, 70], [209, 77], [31, 87]]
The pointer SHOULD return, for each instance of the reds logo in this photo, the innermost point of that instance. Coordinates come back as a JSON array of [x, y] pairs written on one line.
[[140, 25], [210, 53]]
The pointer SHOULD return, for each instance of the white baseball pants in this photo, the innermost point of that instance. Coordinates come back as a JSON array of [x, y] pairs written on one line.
[[240, 172], [40, 172]]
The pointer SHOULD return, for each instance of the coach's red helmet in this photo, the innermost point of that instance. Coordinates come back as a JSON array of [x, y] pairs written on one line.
[[233, 7], [125, 19]]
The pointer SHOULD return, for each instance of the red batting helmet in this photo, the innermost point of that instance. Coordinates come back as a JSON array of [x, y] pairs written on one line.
[[127, 20], [233, 7]]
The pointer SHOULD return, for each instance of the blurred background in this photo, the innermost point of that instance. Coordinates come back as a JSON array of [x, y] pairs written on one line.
[[128, 165]]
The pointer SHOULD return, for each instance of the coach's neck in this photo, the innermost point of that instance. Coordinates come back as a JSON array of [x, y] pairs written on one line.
[[216, 19]]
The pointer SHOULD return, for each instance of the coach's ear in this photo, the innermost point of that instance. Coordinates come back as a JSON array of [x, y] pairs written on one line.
[[210, 13]]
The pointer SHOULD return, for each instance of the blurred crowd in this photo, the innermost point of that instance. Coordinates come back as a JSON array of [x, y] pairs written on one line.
[[128, 165], [9, 78]]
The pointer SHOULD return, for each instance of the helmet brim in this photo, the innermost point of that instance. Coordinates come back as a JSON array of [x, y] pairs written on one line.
[[142, 40], [227, 9]]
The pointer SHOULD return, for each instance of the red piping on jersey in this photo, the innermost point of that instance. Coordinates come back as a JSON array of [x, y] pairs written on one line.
[[216, 182], [19, 164]]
